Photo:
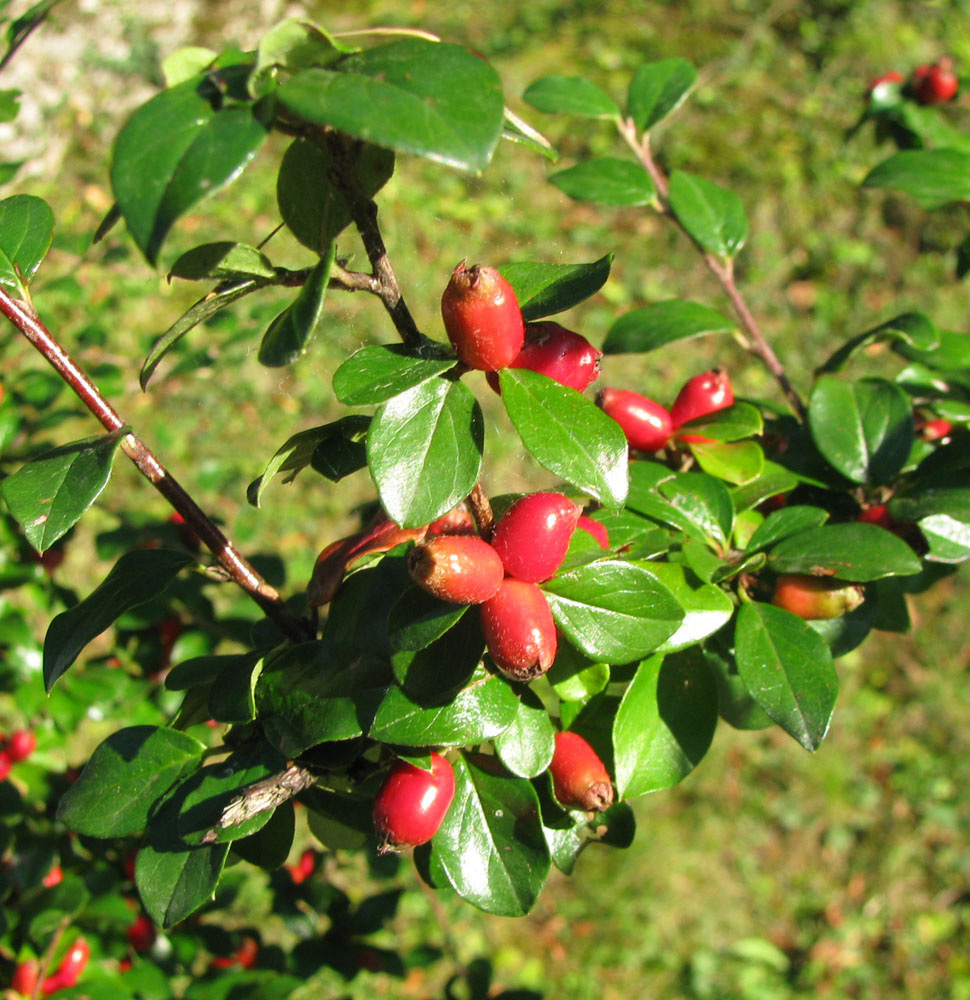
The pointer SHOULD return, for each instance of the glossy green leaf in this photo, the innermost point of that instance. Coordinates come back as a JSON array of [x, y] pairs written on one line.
[[573, 676], [562, 829], [480, 711], [290, 332], [546, 289], [295, 44], [662, 323], [185, 63], [221, 261], [202, 310], [206, 794], [704, 501], [665, 723], [852, 551], [657, 89], [570, 95], [774, 480], [26, 231], [941, 508], [491, 844], [418, 619], [567, 434], [737, 462], [606, 180], [430, 675], [788, 670], [738, 421], [907, 330], [127, 773], [707, 608], [934, 177], [645, 498], [378, 373], [787, 521], [431, 99], [50, 494], [173, 151], [613, 610], [312, 207], [948, 351], [137, 577], [527, 745], [424, 450], [711, 214], [269, 847], [297, 453], [232, 696]]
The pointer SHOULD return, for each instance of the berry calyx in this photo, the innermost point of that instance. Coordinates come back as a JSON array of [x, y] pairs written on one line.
[[560, 354], [936, 83], [597, 530], [815, 597], [463, 569], [532, 536], [579, 778], [411, 803], [21, 744], [482, 317], [703, 394], [646, 424], [519, 630]]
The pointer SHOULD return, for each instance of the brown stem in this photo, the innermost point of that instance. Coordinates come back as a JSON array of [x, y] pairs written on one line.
[[723, 270], [482, 511], [26, 320], [45, 963]]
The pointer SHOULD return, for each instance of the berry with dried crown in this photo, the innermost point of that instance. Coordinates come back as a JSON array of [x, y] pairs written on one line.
[[411, 803], [532, 536], [463, 569], [646, 424], [519, 630], [579, 778], [482, 317], [815, 597]]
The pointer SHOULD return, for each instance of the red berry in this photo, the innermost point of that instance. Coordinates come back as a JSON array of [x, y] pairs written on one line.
[[532, 536], [24, 979], [412, 802], [5, 764], [701, 395], [519, 630], [597, 530], [21, 745], [70, 969], [463, 569], [141, 934], [934, 430], [54, 877], [579, 777], [646, 424], [247, 953], [892, 76], [877, 514], [551, 350], [456, 522], [482, 317], [815, 597], [936, 83], [304, 868]]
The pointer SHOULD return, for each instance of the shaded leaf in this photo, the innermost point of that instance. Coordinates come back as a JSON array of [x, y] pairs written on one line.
[[26, 231], [223, 260], [934, 177]]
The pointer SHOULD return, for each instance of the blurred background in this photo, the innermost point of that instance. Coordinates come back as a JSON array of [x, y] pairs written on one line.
[[769, 873]]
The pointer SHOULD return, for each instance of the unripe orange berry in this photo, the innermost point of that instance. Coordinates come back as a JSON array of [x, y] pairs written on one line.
[[816, 597], [579, 778], [482, 317]]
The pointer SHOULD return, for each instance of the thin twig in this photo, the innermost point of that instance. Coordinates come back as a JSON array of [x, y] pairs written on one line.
[[481, 510], [722, 269], [45, 962], [26, 320]]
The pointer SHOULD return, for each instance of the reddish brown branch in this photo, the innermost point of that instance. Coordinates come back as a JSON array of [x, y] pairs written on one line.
[[26, 320]]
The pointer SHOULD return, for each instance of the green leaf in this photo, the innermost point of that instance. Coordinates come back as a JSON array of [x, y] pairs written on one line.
[[573, 676], [376, 374], [232, 696], [707, 608], [665, 723], [662, 323], [941, 508], [202, 310], [852, 551], [527, 745], [657, 89], [26, 231], [948, 351], [174, 881], [864, 429], [430, 99], [546, 289], [50, 494], [313, 208], [175, 150], [430, 675], [295, 44], [185, 63], [612, 610], [934, 177], [788, 670], [608, 181], [297, 453], [909, 329], [205, 795], [570, 95], [269, 846], [491, 844], [136, 577], [567, 434], [124, 778], [480, 711], [730, 424], [774, 480], [418, 619], [787, 521], [9, 106], [711, 214], [736, 463], [424, 450], [704, 501], [223, 260], [290, 331]]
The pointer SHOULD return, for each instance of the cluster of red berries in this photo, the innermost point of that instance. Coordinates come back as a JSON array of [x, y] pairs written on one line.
[[18, 746], [67, 974], [929, 83], [649, 426]]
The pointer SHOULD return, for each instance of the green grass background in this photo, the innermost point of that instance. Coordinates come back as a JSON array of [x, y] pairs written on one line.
[[769, 873]]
